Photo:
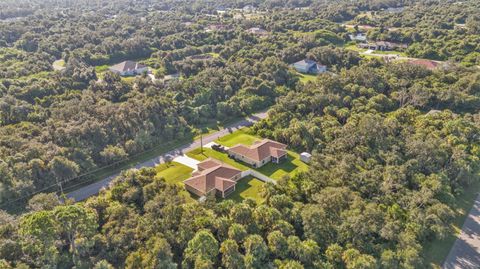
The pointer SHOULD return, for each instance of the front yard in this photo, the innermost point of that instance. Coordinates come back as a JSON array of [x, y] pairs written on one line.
[[176, 173]]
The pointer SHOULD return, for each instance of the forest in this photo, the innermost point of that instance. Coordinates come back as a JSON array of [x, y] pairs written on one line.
[[394, 144]]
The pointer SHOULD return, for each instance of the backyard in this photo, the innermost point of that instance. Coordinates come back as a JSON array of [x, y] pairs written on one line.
[[247, 187]]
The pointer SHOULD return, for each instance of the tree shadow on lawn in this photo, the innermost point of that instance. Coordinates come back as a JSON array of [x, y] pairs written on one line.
[[286, 165], [247, 187]]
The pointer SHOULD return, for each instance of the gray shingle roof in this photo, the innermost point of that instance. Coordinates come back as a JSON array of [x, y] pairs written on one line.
[[127, 66]]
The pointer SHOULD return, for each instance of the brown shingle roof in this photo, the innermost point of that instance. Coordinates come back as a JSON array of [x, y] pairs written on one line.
[[212, 174], [261, 150]]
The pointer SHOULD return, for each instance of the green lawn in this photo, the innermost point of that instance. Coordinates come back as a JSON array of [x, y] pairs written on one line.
[[291, 166], [436, 251], [101, 68], [176, 173], [207, 153], [248, 187], [239, 137], [304, 78], [214, 54]]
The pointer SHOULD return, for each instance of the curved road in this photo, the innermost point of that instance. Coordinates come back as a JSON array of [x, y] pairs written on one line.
[[94, 188]]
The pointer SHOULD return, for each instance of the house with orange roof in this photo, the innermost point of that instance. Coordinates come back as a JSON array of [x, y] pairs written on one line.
[[428, 64], [213, 176], [260, 153]]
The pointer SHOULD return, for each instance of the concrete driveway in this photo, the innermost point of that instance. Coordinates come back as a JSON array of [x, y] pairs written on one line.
[[185, 160], [465, 253]]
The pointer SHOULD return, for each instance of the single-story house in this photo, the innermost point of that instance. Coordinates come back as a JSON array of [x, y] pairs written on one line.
[[309, 67], [260, 153], [213, 176], [257, 31], [305, 157], [429, 64], [129, 68], [361, 37]]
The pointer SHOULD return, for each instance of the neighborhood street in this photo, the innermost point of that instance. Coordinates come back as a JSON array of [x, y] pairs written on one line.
[[465, 253], [93, 189]]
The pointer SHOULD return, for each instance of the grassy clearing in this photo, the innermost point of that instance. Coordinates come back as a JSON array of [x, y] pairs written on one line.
[[176, 173], [248, 187], [354, 48], [101, 68], [214, 54], [304, 78], [239, 137], [436, 251]]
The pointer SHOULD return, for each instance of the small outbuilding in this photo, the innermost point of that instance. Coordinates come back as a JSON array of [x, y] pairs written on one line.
[[305, 157]]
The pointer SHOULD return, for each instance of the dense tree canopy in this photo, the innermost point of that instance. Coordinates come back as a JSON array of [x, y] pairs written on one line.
[[394, 144]]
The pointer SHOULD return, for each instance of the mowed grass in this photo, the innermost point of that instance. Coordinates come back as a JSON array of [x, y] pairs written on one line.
[[304, 78], [239, 137], [436, 251], [197, 154], [247, 187], [176, 173], [291, 166]]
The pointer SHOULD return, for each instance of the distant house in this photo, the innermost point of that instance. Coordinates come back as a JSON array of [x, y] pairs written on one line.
[[429, 64], [260, 153], [213, 176], [305, 157], [249, 8], [221, 10], [257, 31], [129, 68], [361, 37], [382, 45], [309, 67]]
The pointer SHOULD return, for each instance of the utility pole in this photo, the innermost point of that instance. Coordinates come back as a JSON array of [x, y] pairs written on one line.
[[201, 143], [59, 183]]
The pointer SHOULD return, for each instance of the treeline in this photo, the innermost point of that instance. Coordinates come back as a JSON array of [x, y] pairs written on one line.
[[389, 161]]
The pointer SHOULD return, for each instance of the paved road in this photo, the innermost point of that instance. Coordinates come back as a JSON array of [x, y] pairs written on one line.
[[465, 253], [93, 189]]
